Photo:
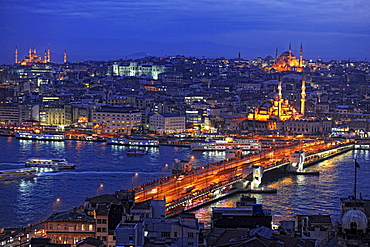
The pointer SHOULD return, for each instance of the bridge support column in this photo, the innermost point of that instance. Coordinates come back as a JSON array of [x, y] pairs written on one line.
[[257, 176]]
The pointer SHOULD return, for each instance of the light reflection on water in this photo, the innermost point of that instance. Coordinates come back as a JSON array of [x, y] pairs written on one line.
[[309, 194], [30, 200]]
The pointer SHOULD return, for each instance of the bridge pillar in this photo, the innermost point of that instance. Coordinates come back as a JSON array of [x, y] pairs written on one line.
[[297, 160], [257, 176]]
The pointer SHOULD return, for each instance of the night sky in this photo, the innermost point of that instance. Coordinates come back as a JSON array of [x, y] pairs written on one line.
[[111, 30]]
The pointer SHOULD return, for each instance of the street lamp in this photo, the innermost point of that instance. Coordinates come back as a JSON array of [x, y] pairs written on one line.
[[132, 180], [54, 202], [97, 189]]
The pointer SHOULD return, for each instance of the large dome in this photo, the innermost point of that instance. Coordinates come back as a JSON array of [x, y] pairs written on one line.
[[273, 95], [355, 218]]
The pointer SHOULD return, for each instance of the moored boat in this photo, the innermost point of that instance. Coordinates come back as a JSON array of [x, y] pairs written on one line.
[[134, 141], [13, 174], [50, 163], [222, 145], [136, 151], [39, 136]]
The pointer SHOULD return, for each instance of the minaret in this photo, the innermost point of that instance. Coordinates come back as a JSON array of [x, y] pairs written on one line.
[[45, 56], [48, 54], [276, 54], [16, 54], [290, 49], [65, 56], [303, 94], [30, 52], [280, 97], [34, 49], [301, 57]]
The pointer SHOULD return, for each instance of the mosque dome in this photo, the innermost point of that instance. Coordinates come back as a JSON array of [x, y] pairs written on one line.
[[273, 95], [354, 218], [286, 54]]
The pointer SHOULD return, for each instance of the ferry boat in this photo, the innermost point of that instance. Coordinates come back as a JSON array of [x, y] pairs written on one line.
[[50, 163], [6, 175], [222, 145], [136, 151], [134, 141], [39, 136]]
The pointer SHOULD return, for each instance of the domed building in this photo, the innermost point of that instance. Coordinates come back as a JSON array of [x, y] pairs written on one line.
[[354, 222], [288, 62], [274, 108], [32, 57]]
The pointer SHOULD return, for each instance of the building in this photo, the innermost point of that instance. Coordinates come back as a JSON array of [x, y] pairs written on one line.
[[16, 114], [116, 120], [70, 227], [288, 62], [57, 115], [183, 231], [138, 69], [166, 123]]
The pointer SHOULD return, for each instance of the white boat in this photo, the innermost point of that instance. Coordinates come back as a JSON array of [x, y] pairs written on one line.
[[39, 136], [50, 163], [134, 141], [222, 145], [136, 151], [13, 174]]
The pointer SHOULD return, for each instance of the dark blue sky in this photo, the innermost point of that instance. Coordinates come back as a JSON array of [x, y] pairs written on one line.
[[109, 30]]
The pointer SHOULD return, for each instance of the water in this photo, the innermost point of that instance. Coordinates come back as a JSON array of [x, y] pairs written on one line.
[[309, 194], [29, 200]]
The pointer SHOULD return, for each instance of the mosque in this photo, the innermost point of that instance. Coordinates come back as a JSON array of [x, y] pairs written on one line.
[[277, 115], [32, 57], [287, 61]]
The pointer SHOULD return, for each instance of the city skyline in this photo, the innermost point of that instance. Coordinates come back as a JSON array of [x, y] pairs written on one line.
[[112, 30]]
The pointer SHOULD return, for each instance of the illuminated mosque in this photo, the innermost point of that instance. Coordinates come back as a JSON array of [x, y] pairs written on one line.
[[288, 62], [32, 57], [276, 108]]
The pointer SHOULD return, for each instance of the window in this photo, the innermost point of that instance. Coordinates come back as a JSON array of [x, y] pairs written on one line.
[[175, 234], [91, 228], [51, 227], [98, 229], [83, 227], [190, 243], [76, 227], [165, 234], [190, 234], [131, 237], [104, 221], [98, 221]]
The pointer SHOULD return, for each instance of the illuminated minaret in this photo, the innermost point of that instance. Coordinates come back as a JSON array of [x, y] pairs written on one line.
[[301, 56], [45, 56], [48, 54], [303, 94], [16, 54], [34, 49], [290, 49], [65, 56], [30, 52], [280, 96]]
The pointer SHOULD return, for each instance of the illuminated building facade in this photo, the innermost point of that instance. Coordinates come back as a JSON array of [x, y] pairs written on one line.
[[167, 123], [116, 120], [138, 69], [70, 227]]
